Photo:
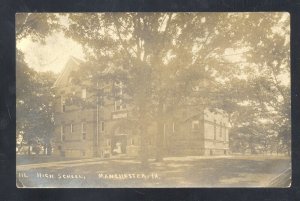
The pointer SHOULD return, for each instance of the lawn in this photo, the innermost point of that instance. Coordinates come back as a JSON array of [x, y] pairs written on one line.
[[250, 171]]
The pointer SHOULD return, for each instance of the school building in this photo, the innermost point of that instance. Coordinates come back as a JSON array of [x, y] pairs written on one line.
[[105, 130]]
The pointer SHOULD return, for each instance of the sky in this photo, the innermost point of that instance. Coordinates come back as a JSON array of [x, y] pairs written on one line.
[[53, 55]]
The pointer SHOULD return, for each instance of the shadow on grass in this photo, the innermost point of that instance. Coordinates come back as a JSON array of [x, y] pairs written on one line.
[[217, 172]]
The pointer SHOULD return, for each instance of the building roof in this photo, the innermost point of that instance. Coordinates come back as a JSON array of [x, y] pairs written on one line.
[[71, 65]]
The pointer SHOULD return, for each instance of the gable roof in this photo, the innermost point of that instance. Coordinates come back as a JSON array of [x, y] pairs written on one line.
[[71, 65]]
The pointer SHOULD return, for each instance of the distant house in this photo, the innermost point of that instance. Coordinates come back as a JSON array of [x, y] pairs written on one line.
[[103, 130]]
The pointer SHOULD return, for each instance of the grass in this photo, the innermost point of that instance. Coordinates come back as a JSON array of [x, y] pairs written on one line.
[[172, 172]]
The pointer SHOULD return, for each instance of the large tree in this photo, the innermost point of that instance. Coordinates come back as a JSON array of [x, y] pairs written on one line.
[[259, 86], [34, 89], [231, 61], [37, 26], [34, 105], [160, 57]]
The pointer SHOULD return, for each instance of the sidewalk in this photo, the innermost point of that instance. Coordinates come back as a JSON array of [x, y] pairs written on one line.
[[91, 161], [69, 163], [70, 160]]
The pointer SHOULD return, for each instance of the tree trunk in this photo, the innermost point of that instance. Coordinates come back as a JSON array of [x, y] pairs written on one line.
[[45, 148], [21, 146], [251, 145], [144, 152], [144, 155], [29, 149], [160, 135]]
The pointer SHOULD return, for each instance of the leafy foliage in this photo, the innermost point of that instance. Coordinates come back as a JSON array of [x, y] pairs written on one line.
[[162, 56], [35, 25], [34, 104], [233, 61], [34, 94]]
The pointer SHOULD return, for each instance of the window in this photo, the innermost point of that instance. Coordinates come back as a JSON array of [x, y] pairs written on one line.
[[63, 105], [195, 125], [62, 133], [225, 134], [215, 129], [108, 142], [132, 141], [118, 88], [227, 137], [83, 127], [71, 128], [221, 128], [196, 88], [63, 129], [119, 105], [173, 127], [99, 101], [150, 141], [83, 130], [119, 84], [118, 91], [102, 126], [83, 94], [224, 131]]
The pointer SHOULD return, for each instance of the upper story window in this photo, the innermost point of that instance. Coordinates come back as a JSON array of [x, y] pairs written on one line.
[[63, 129], [83, 93], [221, 129], [62, 133], [71, 128], [119, 105], [215, 129], [118, 92], [196, 88], [132, 141], [225, 134], [173, 127], [63, 105], [150, 141], [195, 125], [119, 84], [102, 126], [63, 109], [118, 87], [99, 101], [83, 130]]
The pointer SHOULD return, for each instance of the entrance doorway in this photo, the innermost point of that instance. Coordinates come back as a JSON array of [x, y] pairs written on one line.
[[119, 144]]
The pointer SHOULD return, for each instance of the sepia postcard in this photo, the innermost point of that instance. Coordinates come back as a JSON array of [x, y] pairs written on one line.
[[156, 99]]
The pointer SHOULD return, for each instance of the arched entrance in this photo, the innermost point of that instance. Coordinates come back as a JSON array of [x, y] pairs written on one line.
[[119, 143], [121, 133]]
